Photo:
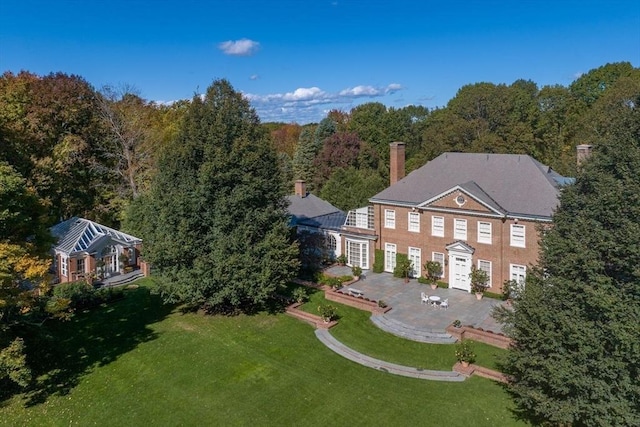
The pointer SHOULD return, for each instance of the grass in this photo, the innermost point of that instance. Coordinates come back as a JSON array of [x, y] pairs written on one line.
[[355, 330], [138, 362]]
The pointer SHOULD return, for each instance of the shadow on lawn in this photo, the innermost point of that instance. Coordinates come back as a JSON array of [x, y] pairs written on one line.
[[62, 352]]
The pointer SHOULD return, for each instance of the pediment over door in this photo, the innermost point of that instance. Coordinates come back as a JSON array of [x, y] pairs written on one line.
[[460, 246]]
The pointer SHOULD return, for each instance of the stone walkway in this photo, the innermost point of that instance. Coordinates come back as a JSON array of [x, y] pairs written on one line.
[[327, 339]]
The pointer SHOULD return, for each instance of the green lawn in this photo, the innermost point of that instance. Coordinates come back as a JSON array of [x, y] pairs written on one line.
[[355, 330], [137, 362]]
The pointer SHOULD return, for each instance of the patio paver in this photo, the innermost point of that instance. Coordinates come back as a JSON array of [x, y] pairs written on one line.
[[407, 308]]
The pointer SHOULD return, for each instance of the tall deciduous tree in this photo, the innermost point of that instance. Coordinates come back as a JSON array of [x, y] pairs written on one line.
[[576, 354], [214, 221]]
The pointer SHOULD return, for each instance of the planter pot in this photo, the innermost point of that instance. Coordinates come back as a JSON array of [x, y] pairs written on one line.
[[465, 364], [356, 277], [479, 295], [434, 287]]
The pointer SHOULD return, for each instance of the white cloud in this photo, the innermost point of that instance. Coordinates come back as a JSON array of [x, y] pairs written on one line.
[[305, 105], [242, 47], [254, 77]]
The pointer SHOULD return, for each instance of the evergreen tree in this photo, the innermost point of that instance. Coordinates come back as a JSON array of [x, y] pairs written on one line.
[[576, 353], [214, 222]]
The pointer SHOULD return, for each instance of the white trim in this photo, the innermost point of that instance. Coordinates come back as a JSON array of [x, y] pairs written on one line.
[[64, 267], [390, 252], [389, 218], [439, 230], [413, 225], [462, 190], [439, 257], [518, 239], [464, 261], [416, 259], [518, 273], [460, 229], [360, 259], [485, 236], [489, 270]]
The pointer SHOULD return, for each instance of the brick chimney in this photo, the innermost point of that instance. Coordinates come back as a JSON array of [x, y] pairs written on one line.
[[396, 162], [301, 188], [583, 152]]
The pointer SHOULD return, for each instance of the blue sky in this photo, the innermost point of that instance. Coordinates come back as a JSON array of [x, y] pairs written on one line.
[[296, 60]]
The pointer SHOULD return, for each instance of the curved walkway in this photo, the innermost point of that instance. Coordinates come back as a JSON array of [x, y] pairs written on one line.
[[403, 330], [327, 339]]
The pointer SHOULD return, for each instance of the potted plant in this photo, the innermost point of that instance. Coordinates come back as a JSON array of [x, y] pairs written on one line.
[[404, 266], [124, 260], [382, 304], [510, 290], [479, 279], [433, 271], [356, 271], [327, 312], [464, 353], [457, 323], [342, 259]]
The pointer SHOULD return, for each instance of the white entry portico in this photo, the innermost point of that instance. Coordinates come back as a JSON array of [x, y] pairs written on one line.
[[460, 255]]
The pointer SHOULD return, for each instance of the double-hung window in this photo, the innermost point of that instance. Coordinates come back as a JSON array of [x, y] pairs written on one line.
[[518, 273], [460, 229], [518, 235], [414, 222], [437, 226], [439, 258], [389, 218], [80, 266], [484, 232], [486, 267]]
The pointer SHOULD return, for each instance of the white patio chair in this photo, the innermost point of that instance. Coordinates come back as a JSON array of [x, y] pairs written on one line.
[[444, 304], [424, 298]]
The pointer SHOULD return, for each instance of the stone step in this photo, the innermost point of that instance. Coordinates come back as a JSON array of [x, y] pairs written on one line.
[[333, 344], [411, 333]]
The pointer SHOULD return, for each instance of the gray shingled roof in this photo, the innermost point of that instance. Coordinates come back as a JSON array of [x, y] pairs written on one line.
[[82, 235], [312, 211], [512, 184]]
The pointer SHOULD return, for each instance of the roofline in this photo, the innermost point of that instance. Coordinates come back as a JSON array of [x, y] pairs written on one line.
[[468, 193]]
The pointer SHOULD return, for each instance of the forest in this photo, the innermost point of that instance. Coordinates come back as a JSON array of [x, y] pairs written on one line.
[[89, 152]]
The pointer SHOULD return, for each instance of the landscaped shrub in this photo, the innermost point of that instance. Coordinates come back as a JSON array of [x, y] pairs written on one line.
[[403, 266], [378, 261], [334, 282], [345, 278], [81, 294], [300, 295]]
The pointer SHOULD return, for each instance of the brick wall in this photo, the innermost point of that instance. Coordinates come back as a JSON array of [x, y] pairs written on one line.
[[500, 252]]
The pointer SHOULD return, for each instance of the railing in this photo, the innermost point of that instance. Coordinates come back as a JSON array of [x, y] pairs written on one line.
[[361, 218]]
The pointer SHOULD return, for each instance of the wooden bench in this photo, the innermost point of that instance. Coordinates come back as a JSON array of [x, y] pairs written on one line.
[[355, 292]]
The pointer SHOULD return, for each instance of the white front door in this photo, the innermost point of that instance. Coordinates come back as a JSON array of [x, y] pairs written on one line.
[[415, 257], [459, 269]]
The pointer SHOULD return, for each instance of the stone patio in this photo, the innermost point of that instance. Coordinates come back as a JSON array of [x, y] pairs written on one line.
[[407, 308]]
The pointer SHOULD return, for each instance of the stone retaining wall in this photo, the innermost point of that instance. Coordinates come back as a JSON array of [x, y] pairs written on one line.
[[314, 320], [487, 337], [480, 371], [357, 302]]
